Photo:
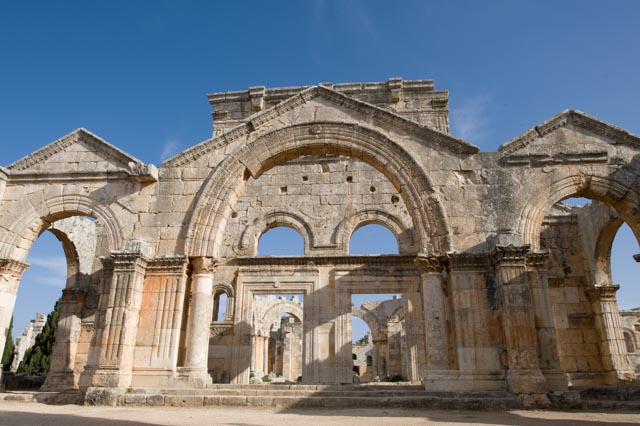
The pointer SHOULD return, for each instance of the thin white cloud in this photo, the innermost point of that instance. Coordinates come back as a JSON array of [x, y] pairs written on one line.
[[56, 265], [58, 282], [51, 271], [470, 120], [170, 148]]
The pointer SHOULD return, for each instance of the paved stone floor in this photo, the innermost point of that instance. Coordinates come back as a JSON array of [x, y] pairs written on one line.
[[22, 413]]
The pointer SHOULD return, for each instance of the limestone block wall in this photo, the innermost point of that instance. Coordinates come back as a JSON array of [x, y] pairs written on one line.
[[501, 289]]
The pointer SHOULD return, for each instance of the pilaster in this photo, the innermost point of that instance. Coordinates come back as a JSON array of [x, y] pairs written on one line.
[[434, 304], [545, 324], [518, 319], [117, 319], [614, 352]]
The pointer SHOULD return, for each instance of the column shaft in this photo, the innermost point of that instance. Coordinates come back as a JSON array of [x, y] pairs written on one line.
[[199, 320]]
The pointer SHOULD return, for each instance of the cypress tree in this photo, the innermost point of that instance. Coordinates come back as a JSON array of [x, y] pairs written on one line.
[[37, 358], [7, 353]]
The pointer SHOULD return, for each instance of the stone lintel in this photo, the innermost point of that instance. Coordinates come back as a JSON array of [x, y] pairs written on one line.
[[168, 265], [510, 255], [468, 261]]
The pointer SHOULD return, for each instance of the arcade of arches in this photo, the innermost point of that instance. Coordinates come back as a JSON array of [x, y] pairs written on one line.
[[503, 286]]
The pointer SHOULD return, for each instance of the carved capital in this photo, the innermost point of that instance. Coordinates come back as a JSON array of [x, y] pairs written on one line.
[[73, 295], [128, 261], [603, 292], [204, 265], [428, 264], [13, 268], [510, 255], [468, 261]]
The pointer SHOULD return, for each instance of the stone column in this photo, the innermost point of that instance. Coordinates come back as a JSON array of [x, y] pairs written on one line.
[[199, 321], [265, 354], [518, 320], [545, 325], [10, 274], [614, 352], [62, 375], [415, 336], [110, 364], [434, 305]]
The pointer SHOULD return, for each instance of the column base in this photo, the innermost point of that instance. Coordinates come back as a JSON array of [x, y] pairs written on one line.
[[195, 377], [103, 396], [60, 381], [557, 380], [527, 382], [464, 381], [105, 376]]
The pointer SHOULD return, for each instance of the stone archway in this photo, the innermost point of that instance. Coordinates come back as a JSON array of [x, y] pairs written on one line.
[[606, 189], [222, 188]]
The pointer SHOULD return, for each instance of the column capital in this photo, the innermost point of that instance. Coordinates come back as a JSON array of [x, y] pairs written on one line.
[[204, 265], [73, 295], [433, 264], [603, 292], [126, 260], [510, 255], [13, 267]]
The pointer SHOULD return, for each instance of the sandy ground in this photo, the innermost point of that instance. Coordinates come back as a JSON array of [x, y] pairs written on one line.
[[28, 413]]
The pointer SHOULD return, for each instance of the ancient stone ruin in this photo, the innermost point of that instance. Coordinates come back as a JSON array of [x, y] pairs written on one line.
[[504, 287]]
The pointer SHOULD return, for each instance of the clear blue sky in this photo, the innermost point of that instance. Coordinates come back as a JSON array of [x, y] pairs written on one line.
[[136, 72]]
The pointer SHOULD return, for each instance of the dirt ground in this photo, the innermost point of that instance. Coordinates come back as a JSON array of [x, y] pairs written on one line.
[[28, 413]]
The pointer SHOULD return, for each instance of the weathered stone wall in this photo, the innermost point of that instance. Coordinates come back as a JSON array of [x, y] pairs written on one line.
[[501, 289]]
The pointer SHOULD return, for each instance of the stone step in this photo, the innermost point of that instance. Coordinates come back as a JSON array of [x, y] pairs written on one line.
[[54, 398], [606, 404], [259, 391], [430, 402]]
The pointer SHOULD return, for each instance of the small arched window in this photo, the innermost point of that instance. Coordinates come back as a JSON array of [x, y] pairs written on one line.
[[373, 239], [220, 302], [281, 241]]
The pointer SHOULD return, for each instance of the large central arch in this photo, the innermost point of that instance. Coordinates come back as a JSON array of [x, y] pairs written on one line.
[[225, 184]]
